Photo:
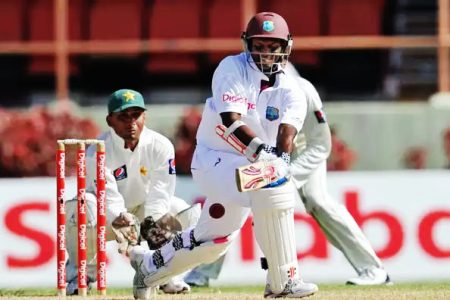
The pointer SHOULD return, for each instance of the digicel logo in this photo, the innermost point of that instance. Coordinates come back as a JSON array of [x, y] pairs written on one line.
[[46, 243], [319, 247], [14, 223]]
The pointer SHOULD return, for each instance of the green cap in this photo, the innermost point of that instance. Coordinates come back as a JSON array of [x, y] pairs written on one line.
[[123, 99]]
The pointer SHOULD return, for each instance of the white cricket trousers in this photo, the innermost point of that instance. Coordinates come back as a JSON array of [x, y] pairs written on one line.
[[336, 222]]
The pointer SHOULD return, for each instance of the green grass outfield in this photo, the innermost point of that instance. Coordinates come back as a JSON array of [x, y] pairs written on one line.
[[327, 291]]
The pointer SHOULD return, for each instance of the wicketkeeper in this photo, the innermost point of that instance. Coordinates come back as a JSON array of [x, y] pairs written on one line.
[[140, 186]]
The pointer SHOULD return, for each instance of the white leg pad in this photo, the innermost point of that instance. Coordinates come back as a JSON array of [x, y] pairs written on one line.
[[273, 213], [181, 260], [72, 236], [189, 216]]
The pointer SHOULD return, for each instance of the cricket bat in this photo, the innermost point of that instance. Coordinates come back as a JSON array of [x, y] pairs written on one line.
[[258, 175]]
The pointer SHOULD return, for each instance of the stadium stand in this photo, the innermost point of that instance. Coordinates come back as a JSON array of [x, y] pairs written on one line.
[[354, 72], [224, 19], [340, 74], [115, 19], [12, 29], [303, 20], [355, 17], [412, 73], [159, 26], [12, 20], [40, 15], [110, 20]]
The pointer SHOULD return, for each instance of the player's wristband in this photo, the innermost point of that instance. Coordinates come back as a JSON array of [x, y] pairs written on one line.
[[270, 149], [286, 157]]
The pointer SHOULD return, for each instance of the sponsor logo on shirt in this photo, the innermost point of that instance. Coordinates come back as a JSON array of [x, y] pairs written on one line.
[[272, 113], [233, 98], [320, 116], [120, 173], [251, 106], [172, 169]]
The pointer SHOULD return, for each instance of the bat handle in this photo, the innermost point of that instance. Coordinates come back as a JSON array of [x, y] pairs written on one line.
[[279, 182]]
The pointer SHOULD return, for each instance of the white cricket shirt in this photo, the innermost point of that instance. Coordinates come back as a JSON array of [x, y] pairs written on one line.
[[236, 87], [145, 176], [313, 144]]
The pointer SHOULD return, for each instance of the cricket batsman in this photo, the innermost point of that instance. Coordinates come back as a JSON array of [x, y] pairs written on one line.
[[308, 171], [254, 114]]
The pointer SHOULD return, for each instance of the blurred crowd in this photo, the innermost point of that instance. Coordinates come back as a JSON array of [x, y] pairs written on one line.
[[342, 157], [185, 139], [28, 140], [447, 146], [416, 157], [28, 143]]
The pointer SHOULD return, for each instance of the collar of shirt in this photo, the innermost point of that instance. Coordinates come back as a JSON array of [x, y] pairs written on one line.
[[267, 84], [119, 142], [258, 77]]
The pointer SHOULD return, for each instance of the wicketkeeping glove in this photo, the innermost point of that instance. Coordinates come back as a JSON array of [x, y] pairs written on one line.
[[126, 235], [157, 233]]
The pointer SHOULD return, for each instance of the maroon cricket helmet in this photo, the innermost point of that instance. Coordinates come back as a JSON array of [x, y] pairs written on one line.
[[267, 25]]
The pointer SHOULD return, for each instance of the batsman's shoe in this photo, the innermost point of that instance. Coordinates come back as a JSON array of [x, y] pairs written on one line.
[[140, 290], [371, 276], [176, 286], [294, 289]]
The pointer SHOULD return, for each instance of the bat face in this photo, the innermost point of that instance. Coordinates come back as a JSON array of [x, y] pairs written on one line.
[[255, 176]]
